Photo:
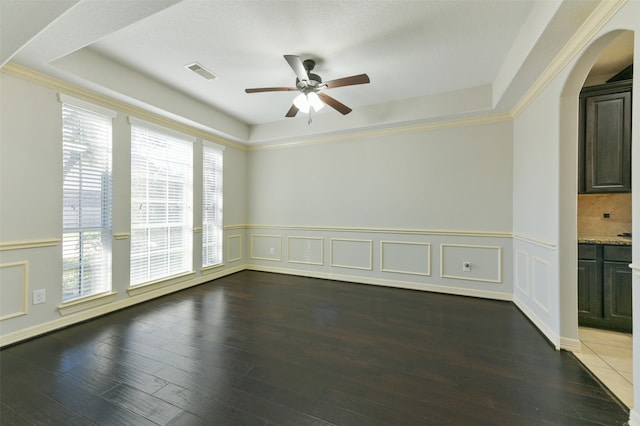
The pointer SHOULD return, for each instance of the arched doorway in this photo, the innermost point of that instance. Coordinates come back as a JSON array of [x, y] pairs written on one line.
[[569, 185]]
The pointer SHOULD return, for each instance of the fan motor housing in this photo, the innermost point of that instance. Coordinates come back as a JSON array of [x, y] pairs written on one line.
[[314, 81]]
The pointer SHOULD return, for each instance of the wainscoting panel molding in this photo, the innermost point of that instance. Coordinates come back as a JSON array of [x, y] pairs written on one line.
[[266, 247], [20, 245], [394, 257], [390, 231], [14, 288], [405, 257], [306, 250], [486, 262], [533, 288], [234, 248], [522, 271], [352, 254], [540, 281]]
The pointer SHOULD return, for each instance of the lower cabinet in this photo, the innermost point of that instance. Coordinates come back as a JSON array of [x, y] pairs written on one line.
[[617, 294], [604, 287], [590, 292]]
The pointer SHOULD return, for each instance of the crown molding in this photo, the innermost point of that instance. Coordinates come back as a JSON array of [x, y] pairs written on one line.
[[488, 234], [594, 23], [86, 95], [387, 131], [601, 15]]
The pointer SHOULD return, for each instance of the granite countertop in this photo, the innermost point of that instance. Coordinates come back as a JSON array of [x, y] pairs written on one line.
[[604, 239]]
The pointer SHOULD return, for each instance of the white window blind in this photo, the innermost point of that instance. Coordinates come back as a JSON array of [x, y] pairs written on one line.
[[211, 205], [161, 204], [86, 188]]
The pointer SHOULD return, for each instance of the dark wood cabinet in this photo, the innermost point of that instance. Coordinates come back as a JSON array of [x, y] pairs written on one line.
[[589, 294], [617, 294], [604, 287], [605, 138]]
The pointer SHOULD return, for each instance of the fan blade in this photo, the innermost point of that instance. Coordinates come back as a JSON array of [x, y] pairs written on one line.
[[270, 89], [292, 111], [335, 104], [348, 81], [296, 64]]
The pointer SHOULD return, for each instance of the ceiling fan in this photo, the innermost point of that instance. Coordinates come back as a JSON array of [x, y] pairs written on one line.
[[311, 87]]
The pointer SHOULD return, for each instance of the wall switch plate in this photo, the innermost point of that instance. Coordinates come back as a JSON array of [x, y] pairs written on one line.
[[39, 296], [272, 251], [466, 266]]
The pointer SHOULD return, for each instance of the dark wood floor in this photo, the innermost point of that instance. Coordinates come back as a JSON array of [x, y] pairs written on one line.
[[267, 349]]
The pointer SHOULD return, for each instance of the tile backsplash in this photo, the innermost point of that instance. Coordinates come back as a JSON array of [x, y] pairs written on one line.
[[591, 210]]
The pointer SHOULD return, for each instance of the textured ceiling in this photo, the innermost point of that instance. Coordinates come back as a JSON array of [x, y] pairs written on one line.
[[423, 57]]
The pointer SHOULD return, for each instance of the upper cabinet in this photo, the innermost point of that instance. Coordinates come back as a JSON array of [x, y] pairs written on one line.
[[605, 138]]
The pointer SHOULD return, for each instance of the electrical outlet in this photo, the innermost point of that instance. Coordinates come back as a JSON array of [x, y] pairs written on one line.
[[39, 296], [466, 266], [272, 251]]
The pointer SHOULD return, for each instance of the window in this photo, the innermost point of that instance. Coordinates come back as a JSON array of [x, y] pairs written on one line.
[[86, 192], [211, 205], [161, 203]]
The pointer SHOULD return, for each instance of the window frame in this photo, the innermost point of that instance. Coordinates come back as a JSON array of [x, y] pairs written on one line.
[[154, 248], [212, 224], [93, 168]]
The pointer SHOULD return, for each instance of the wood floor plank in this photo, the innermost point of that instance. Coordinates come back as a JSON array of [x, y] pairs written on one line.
[[206, 407], [261, 349], [94, 407], [9, 417], [216, 381], [38, 409], [148, 406]]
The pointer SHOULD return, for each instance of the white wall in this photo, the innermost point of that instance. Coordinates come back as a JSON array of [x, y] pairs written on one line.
[[31, 212], [452, 179], [535, 211], [400, 208], [544, 205]]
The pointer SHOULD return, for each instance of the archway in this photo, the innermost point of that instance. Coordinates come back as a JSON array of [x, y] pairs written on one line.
[[569, 187]]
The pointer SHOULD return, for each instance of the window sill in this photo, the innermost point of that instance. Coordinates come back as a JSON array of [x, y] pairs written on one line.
[[211, 268], [158, 284], [85, 303]]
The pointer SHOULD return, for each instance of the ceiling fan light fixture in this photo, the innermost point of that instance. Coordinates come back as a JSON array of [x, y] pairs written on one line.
[[302, 103], [305, 101], [315, 102], [312, 88]]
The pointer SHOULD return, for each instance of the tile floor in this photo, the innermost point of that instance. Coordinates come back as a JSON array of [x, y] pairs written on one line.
[[608, 355]]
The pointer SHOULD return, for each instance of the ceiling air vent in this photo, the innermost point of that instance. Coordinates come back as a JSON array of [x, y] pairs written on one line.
[[201, 71]]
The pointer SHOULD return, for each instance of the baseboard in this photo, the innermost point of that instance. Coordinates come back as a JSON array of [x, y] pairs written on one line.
[[85, 315], [434, 288], [634, 417], [549, 334], [31, 332], [571, 345]]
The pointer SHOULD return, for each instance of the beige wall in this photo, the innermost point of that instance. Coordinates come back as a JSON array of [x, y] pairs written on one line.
[[591, 210]]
